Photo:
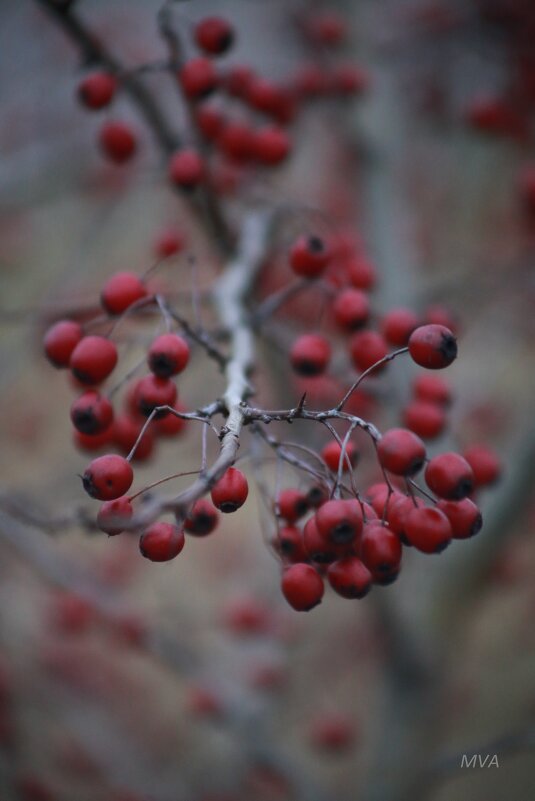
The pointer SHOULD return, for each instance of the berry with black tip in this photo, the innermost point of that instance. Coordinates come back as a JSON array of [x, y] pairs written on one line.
[[464, 516], [302, 586], [121, 291], [114, 516], [351, 309], [91, 413], [340, 521], [449, 476], [310, 354], [60, 340], [153, 391], [433, 346], [93, 359], [108, 477], [401, 452], [230, 492], [202, 519], [292, 504], [428, 529], [214, 35], [380, 549], [161, 542], [349, 577], [168, 355], [309, 256]]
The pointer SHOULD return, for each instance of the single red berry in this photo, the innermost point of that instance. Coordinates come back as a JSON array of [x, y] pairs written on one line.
[[340, 521], [428, 420], [401, 452], [432, 388], [121, 291], [333, 733], [168, 355], [93, 359], [210, 121], [302, 586], [117, 141], [292, 504], [202, 519], [351, 309], [151, 392], [327, 28], [264, 95], [397, 326], [169, 243], [381, 498], [317, 496], [214, 35], [398, 512], [171, 425], [310, 80], [433, 346], [245, 616], [349, 577], [72, 614], [91, 413], [271, 145], [230, 492], [464, 516], [485, 465], [60, 340], [331, 452], [114, 516], [380, 549], [108, 477], [449, 476], [428, 529], [318, 548], [366, 349], [126, 430], [238, 80], [161, 542], [348, 79], [310, 354], [289, 544], [97, 90], [186, 169], [361, 273], [309, 256], [198, 78], [237, 142]]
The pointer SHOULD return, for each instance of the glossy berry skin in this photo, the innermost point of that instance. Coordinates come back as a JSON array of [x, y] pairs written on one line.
[[484, 463], [349, 577], [464, 516], [432, 388], [292, 504], [361, 273], [449, 476], [340, 521], [290, 544], [161, 542], [230, 492], [351, 309], [202, 519], [433, 346], [397, 326], [271, 145], [198, 78], [330, 454], [302, 586], [380, 549], [310, 354], [309, 257], [96, 91], [168, 355], [401, 452], [214, 35], [91, 413], [60, 340], [113, 516], [428, 420], [117, 141], [93, 359], [428, 529], [108, 477], [186, 169], [366, 349], [151, 392], [121, 291]]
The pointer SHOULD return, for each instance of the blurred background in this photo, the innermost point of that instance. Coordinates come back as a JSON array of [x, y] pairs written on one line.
[[122, 680]]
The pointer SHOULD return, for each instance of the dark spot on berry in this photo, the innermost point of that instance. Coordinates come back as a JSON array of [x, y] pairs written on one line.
[[476, 526], [342, 533], [86, 422], [386, 579], [88, 484], [442, 546], [415, 466], [315, 244], [228, 506], [161, 365], [448, 347], [462, 489], [226, 40], [308, 368]]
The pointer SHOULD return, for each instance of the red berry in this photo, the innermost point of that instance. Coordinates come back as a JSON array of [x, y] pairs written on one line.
[[327, 28], [238, 80], [97, 90], [318, 548], [449, 476], [380, 549], [230, 492], [168, 355], [340, 521], [237, 142], [464, 516], [428, 420], [186, 169], [367, 348], [484, 463], [271, 145], [91, 413], [432, 388], [382, 499], [292, 504], [348, 79], [333, 733], [310, 354], [210, 121], [170, 425], [361, 273], [198, 78], [60, 340], [126, 430], [93, 359], [151, 392], [401, 452], [309, 256], [351, 309], [161, 542], [290, 544], [121, 291], [433, 346], [214, 35], [108, 477], [202, 519], [302, 586], [168, 244], [349, 577], [397, 326], [317, 496], [428, 529], [114, 516], [117, 141], [398, 512], [330, 454]]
